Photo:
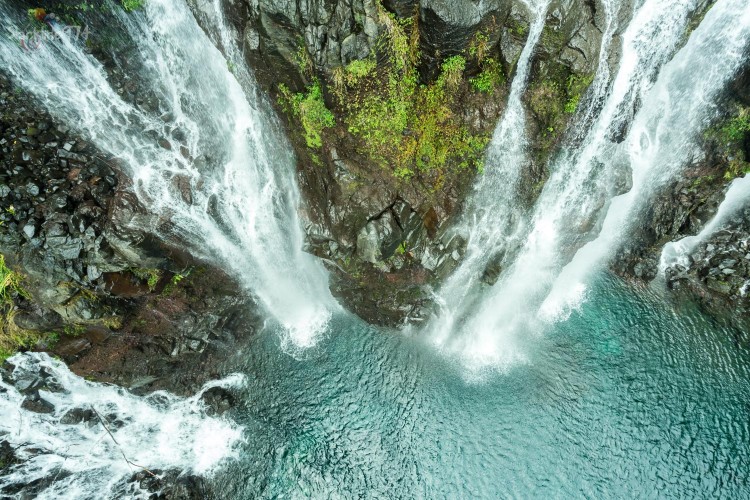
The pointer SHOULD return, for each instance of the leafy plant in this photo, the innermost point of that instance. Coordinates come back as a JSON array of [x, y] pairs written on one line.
[[404, 125], [310, 108], [735, 128], [12, 338], [490, 78], [131, 5], [576, 86], [479, 46], [151, 276], [359, 69]]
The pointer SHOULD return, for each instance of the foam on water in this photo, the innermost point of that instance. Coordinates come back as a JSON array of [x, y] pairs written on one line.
[[158, 431]]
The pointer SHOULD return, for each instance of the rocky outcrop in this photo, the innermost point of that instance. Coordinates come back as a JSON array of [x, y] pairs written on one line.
[[111, 300], [717, 272], [279, 36], [384, 238]]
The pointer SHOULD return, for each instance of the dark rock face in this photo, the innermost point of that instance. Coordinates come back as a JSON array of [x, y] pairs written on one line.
[[37, 404], [447, 27], [679, 210], [170, 485], [66, 213], [333, 32], [58, 198], [385, 240], [718, 271]]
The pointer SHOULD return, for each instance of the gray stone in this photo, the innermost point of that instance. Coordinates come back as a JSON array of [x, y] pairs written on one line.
[[29, 230]]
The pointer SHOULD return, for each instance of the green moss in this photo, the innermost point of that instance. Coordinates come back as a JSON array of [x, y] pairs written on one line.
[[517, 28], [150, 276], [490, 78], [733, 134], [311, 111], [131, 5], [359, 69], [74, 330], [12, 338], [576, 86], [735, 128], [699, 181]]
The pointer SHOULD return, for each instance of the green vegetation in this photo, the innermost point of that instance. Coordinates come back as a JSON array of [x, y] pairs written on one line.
[[734, 136], [490, 78], [150, 276], [479, 47], [517, 28], [401, 124], [174, 281], [12, 338], [311, 111], [359, 69], [131, 5], [735, 128], [577, 85]]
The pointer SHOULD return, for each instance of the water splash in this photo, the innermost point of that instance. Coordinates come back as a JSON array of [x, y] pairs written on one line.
[[579, 214], [490, 214], [70, 448], [677, 253], [209, 159]]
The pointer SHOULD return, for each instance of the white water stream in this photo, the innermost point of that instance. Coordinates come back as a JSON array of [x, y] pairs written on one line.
[[492, 214], [677, 253], [210, 161], [579, 202]]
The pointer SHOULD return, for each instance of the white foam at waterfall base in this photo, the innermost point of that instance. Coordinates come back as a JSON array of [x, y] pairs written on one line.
[[225, 150], [158, 431], [677, 253], [488, 218]]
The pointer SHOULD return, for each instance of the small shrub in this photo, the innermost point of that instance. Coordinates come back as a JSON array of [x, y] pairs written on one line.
[[479, 47], [150, 276], [131, 5], [304, 62], [490, 78], [735, 128], [12, 338], [576, 86], [311, 111], [355, 71]]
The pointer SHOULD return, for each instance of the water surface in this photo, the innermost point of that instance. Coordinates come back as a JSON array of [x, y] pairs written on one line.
[[631, 396]]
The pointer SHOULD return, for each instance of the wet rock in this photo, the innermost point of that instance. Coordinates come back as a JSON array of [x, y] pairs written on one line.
[[37, 404], [218, 400], [79, 415]]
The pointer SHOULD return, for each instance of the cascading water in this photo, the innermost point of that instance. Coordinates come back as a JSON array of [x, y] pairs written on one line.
[[661, 141], [491, 215], [209, 161], [677, 253], [66, 451], [537, 283]]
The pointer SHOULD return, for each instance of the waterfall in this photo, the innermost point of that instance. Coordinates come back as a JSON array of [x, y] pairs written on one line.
[[662, 138], [210, 160], [579, 214], [492, 208], [677, 253], [66, 451]]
